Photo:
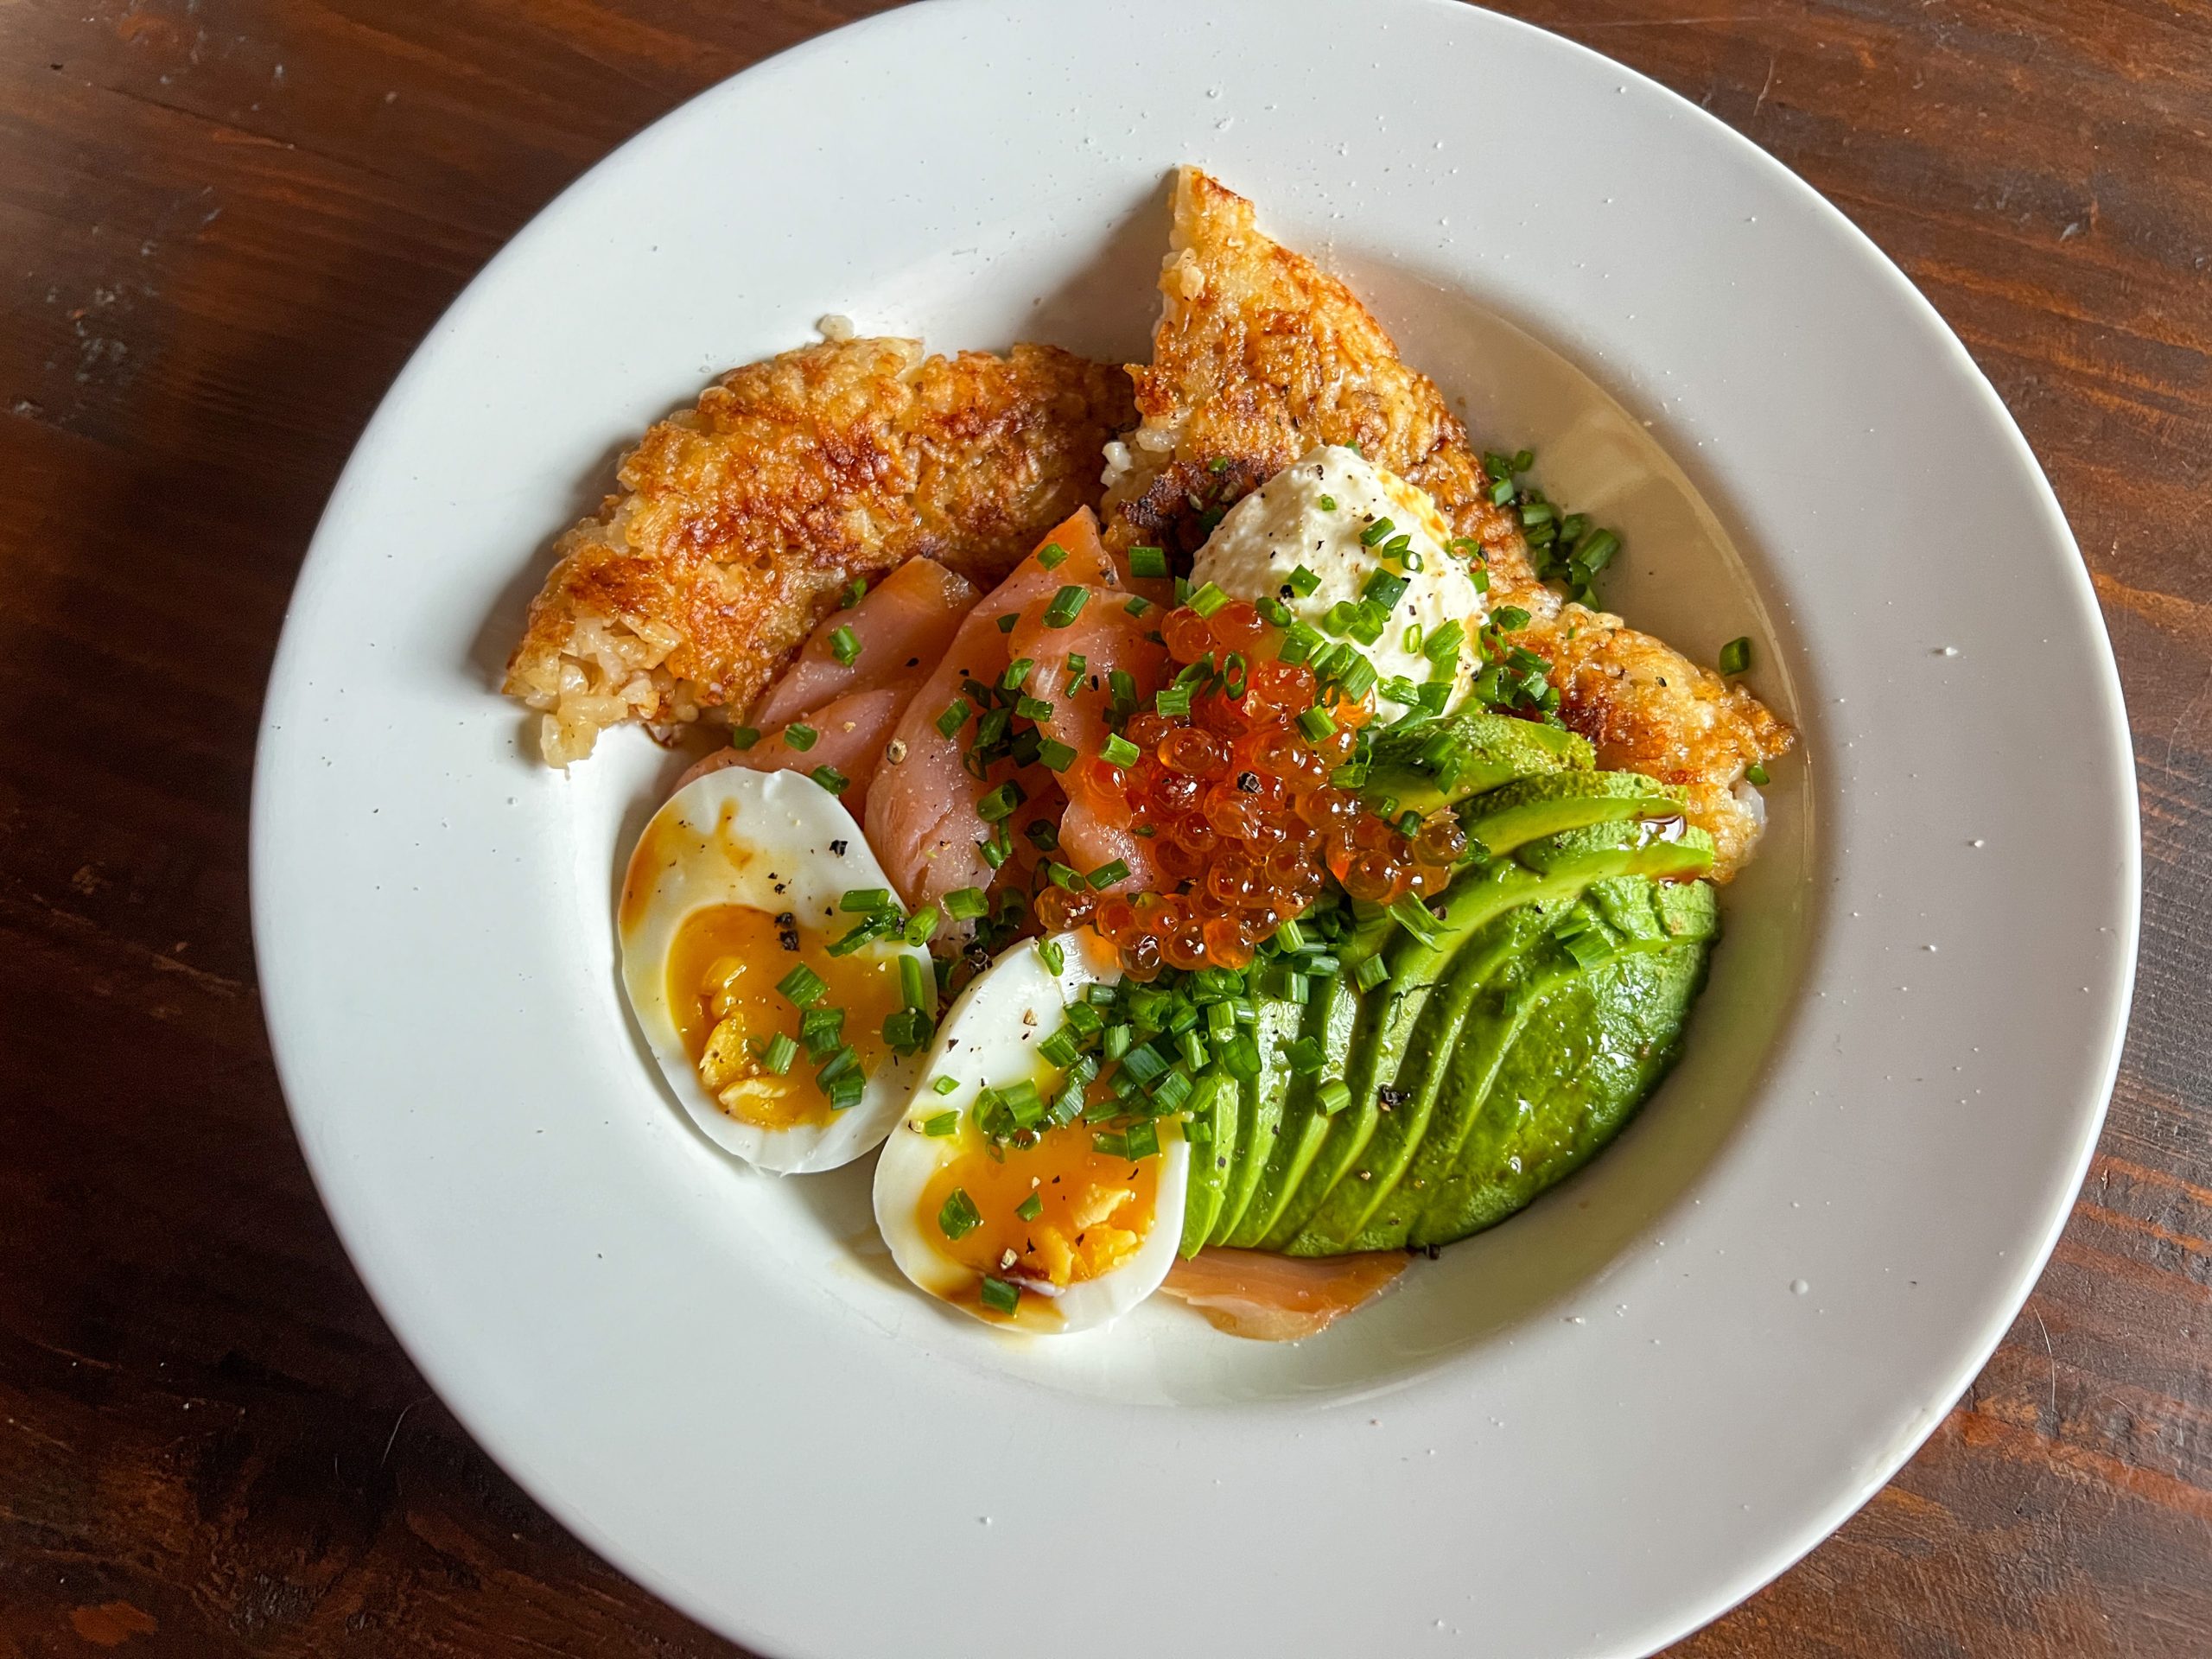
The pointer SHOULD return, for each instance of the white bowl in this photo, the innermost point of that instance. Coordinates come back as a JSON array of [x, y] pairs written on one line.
[[1584, 1432]]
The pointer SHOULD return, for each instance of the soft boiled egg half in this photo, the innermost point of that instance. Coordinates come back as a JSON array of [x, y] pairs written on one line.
[[773, 1042], [1047, 1232]]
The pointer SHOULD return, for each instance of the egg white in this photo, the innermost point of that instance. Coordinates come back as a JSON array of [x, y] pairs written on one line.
[[775, 840], [990, 1038]]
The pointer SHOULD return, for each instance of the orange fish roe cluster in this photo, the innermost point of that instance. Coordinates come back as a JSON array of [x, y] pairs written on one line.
[[1237, 799]]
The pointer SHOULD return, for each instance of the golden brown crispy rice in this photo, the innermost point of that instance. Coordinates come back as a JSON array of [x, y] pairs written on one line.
[[741, 520]]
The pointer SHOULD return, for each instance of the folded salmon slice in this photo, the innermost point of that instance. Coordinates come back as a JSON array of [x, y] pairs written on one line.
[[901, 627], [849, 737], [1109, 637], [1281, 1298], [923, 817]]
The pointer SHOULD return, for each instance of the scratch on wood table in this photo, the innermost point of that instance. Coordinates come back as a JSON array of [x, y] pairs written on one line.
[[225, 223]]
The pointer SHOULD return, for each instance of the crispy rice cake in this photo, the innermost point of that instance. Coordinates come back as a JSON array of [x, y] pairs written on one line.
[[1258, 356], [741, 520]]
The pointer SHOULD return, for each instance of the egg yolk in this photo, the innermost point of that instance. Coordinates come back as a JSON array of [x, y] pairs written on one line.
[[723, 968], [1090, 1213]]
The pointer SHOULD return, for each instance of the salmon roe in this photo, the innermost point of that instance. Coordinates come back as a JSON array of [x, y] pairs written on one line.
[[1244, 819]]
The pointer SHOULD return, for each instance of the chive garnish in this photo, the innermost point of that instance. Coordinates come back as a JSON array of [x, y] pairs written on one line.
[[744, 737], [1049, 953], [966, 904], [941, 1124], [1736, 655], [1119, 751], [1107, 874], [1031, 1207], [1056, 755], [1066, 606], [1017, 671], [1207, 600], [957, 1216], [954, 717], [1755, 775], [803, 987], [831, 779], [1000, 1296], [1149, 561], [1052, 556], [800, 737], [845, 647], [778, 1055]]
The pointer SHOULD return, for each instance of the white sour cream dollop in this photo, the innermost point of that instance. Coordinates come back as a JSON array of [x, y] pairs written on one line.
[[1313, 513]]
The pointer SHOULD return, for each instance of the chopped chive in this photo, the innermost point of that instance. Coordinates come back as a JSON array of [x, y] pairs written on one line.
[[1318, 724], [844, 1093], [780, 1053], [1049, 952], [1755, 775], [1000, 1296], [907, 1031], [954, 717], [1359, 678], [1066, 606], [1052, 556], [1113, 1145], [845, 647], [1138, 604], [864, 899], [966, 904], [1511, 619], [1118, 751], [744, 737], [1736, 655], [1305, 1056], [1107, 874], [1302, 581], [1375, 531], [800, 737], [1000, 803], [1411, 639], [844, 1061], [1149, 561], [914, 984], [1016, 672], [822, 1030], [922, 925], [957, 1216], [1444, 641], [945, 1086], [1334, 1097], [1035, 709], [803, 987], [1141, 1140], [1328, 504], [1006, 623], [1173, 700], [831, 779], [1371, 972], [1208, 600], [855, 591], [1385, 589], [1031, 1207], [941, 1124]]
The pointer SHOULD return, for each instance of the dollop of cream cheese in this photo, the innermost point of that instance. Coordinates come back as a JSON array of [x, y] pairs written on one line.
[[1314, 513]]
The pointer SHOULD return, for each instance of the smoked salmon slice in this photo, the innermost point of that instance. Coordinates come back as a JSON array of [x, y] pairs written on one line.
[[901, 628], [924, 821], [1281, 1298], [1076, 665], [849, 738]]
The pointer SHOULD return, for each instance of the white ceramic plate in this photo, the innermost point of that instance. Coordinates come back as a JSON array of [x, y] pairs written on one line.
[[1582, 1434]]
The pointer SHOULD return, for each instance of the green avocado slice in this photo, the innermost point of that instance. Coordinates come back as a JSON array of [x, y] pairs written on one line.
[[1570, 862], [1530, 808], [1274, 1028], [1393, 1011], [1577, 1053], [1402, 1115], [1331, 1018], [1484, 751], [1215, 1109]]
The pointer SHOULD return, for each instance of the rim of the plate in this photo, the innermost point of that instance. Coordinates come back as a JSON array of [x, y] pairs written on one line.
[[481, 1416]]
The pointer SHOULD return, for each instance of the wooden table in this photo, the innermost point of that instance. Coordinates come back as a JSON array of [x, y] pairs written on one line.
[[223, 224]]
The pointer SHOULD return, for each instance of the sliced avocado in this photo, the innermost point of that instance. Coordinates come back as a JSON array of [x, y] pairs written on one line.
[[1585, 1047], [1332, 1017], [1476, 750], [1402, 1115], [1215, 1107], [1274, 1029], [1530, 808], [1565, 864], [1379, 1046]]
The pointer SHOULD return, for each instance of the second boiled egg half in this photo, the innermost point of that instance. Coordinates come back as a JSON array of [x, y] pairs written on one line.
[[1059, 1228]]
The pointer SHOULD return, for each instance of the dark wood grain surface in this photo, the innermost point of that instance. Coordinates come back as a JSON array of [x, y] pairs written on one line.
[[223, 225]]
